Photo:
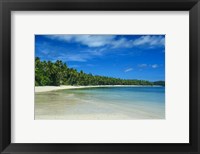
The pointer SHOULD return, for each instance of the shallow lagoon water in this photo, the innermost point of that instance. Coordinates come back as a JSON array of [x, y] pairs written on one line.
[[108, 103]]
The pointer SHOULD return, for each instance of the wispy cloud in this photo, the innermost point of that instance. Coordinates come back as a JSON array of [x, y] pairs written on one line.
[[74, 57], [147, 41], [128, 70], [142, 65], [88, 40], [95, 52], [111, 40], [155, 66], [148, 65], [150, 40], [122, 42]]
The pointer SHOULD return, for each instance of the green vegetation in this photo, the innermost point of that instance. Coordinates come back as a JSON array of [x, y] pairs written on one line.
[[161, 83], [55, 74]]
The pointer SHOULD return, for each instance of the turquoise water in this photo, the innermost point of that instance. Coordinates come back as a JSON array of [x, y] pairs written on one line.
[[102, 103]]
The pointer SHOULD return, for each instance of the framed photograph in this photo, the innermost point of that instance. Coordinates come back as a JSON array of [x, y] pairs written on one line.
[[99, 76], [63, 78]]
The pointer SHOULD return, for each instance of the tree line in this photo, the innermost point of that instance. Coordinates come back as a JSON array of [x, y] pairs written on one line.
[[58, 73]]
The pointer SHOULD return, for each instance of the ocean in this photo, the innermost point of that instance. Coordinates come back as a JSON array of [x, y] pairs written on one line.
[[102, 103]]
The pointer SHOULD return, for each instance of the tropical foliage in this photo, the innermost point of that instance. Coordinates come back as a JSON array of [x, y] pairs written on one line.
[[58, 73], [161, 83]]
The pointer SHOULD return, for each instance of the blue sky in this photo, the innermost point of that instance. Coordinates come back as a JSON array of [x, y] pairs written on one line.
[[121, 56]]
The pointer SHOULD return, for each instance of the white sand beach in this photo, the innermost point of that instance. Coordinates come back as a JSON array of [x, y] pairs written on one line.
[[53, 88], [39, 89]]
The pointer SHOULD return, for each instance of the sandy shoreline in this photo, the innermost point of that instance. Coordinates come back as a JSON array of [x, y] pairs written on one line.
[[39, 89], [87, 105]]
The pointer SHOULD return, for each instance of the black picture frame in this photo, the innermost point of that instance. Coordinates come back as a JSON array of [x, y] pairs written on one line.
[[6, 6]]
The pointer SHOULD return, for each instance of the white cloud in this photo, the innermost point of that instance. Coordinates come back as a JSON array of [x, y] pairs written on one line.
[[73, 57], [121, 43], [149, 65], [95, 40], [128, 70], [45, 52], [103, 40], [95, 52], [60, 37], [142, 65], [82, 56], [150, 40], [88, 40], [147, 40], [154, 66]]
